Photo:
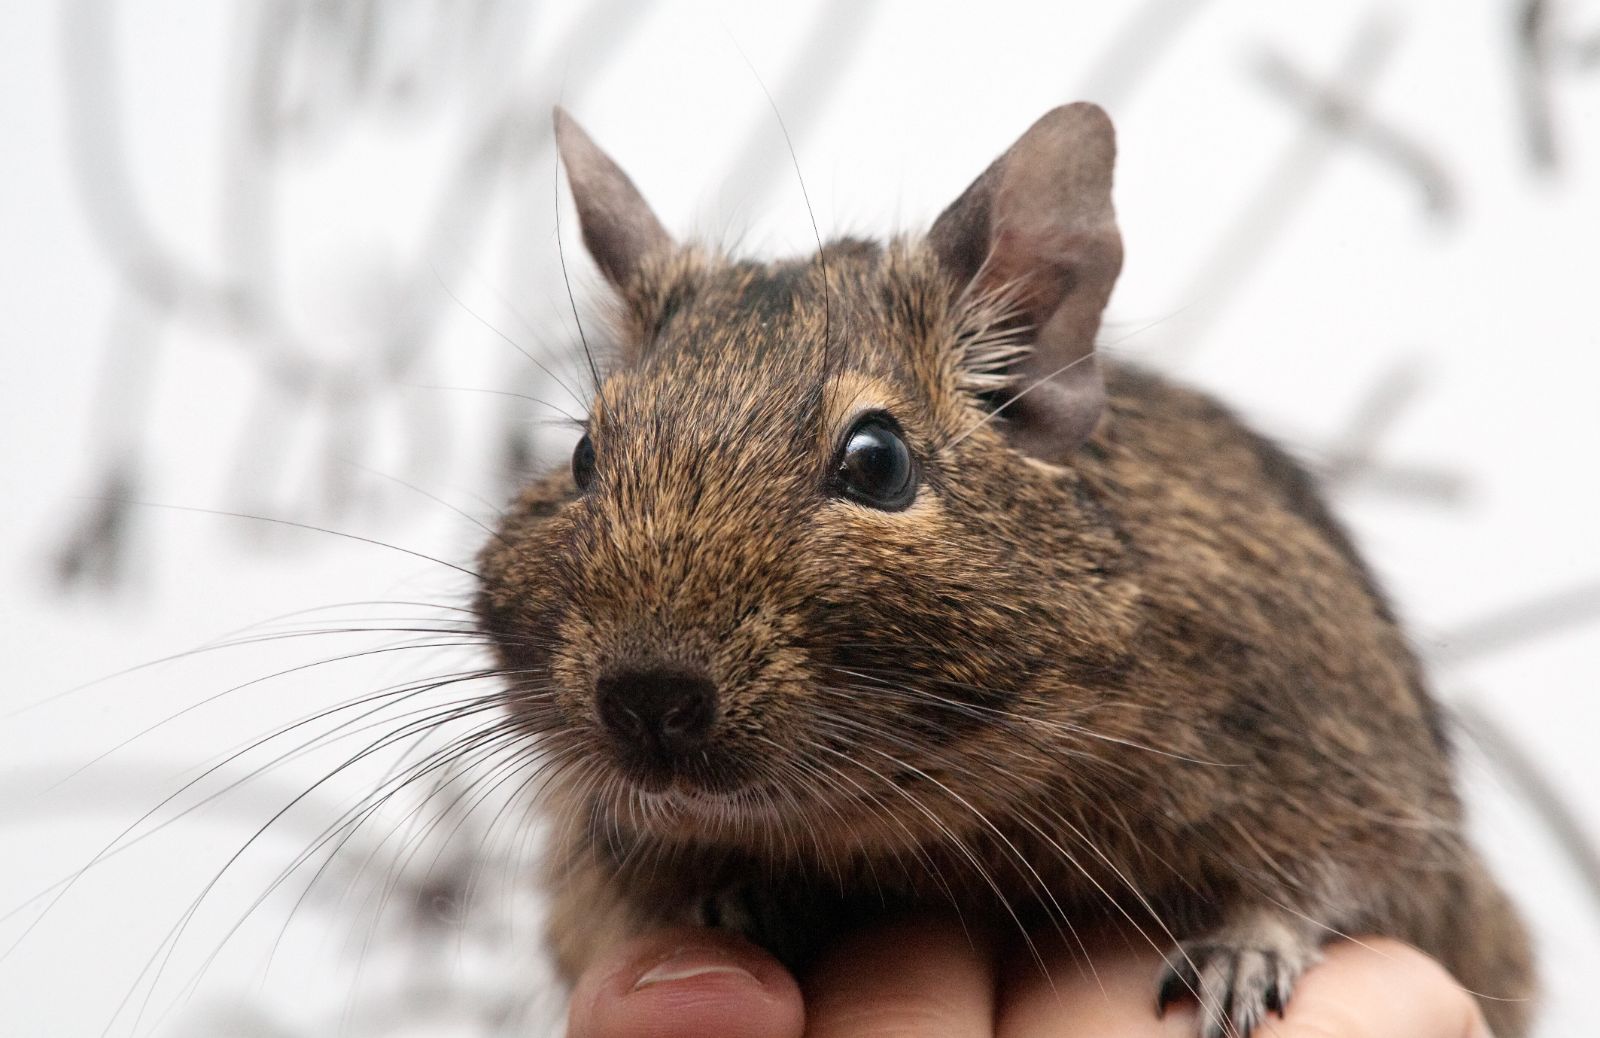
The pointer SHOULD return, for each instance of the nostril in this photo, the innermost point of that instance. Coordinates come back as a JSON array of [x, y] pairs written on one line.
[[683, 721], [660, 712], [625, 721], [685, 726]]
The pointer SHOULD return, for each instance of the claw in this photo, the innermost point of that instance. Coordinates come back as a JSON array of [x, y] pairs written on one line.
[[1177, 982], [1237, 979]]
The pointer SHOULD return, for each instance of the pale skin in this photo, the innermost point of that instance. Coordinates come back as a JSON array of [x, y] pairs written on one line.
[[927, 978]]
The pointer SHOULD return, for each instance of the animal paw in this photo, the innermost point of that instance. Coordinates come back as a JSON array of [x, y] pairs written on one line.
[[1237, 974]]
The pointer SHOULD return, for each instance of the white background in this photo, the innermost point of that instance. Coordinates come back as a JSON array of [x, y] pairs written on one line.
[[1290, 270]]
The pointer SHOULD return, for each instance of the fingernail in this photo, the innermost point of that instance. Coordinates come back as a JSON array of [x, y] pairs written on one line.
[[692, 962]]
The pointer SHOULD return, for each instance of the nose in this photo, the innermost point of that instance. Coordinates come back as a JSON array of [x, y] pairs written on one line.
[[659, 714]]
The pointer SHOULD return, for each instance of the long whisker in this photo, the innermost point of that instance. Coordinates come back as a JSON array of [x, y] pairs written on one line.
[[508, 340], [436, 499], [200, 704], [822, 258], [293, 524], [169, 943], [402, 692], [566, 278], [224, 641]]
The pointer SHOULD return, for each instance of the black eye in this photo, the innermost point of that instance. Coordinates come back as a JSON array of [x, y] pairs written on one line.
[[875, 465], [583, 463]]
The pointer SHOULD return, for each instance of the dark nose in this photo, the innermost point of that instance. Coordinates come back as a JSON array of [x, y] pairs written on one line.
[[658, 714]]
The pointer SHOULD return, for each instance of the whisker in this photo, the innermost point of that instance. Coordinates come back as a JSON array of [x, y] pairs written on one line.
[[294, 524], [169, 944], [223, 641], [474, 520], [508, 340]]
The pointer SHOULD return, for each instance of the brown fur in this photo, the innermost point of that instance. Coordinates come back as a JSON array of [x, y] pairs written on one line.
[[1153, 681]]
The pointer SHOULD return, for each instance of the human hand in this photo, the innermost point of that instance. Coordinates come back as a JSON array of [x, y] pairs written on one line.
[[925, 978]]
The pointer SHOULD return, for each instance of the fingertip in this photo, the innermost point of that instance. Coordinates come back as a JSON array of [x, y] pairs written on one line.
[[1382, 988], [686, 983]]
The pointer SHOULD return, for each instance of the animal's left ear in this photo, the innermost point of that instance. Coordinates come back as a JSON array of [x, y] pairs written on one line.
[[618, 225], [1038, 227]]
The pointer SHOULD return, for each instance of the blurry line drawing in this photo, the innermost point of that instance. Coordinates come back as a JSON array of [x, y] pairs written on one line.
[[267, 120], [1278, 195], [1351, 460], [1517, 625], [1533, 82], [314, 71], [1330, 106], [1546, 48]]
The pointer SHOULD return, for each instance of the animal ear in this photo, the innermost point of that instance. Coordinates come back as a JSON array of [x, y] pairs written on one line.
[[619, 229], [1037, 228]]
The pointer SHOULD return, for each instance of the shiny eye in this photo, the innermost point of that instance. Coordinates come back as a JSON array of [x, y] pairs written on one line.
[[875, 466], [583, 463]]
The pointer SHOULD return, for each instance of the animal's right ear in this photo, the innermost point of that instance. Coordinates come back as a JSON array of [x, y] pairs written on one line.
[[619, 229], [1037, 230]]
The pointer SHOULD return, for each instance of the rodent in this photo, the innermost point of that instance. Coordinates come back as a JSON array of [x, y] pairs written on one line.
[[871, 586]]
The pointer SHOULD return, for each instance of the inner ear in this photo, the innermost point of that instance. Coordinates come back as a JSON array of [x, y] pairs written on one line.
[[1037, 229], [619, 229]]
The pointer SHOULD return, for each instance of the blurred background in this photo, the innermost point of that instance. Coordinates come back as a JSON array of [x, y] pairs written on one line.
[[288, 314]]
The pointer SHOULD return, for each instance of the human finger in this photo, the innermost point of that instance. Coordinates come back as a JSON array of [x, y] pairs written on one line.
[[1374, 988], [686, 983]]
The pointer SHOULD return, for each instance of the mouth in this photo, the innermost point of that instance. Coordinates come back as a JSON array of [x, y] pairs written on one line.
[[759, 816], [680, 809], [705, 773]]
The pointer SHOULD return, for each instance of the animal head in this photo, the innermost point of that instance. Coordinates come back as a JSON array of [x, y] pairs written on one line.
[[822, 544]]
